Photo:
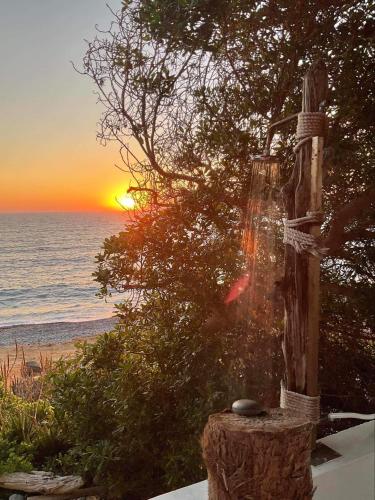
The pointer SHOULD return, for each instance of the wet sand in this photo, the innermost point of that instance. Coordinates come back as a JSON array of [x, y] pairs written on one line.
[[52, 333]]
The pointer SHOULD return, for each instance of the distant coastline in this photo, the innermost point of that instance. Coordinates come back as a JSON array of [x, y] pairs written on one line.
[[52, 333]]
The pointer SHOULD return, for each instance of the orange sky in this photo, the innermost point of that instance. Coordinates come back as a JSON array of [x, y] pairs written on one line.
[[49, 157], [60, 176]]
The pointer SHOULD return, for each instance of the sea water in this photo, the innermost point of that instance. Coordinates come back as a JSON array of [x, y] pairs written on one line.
[[46, 266]]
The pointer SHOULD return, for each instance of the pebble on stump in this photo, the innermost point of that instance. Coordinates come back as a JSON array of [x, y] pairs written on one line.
[[258, 458]]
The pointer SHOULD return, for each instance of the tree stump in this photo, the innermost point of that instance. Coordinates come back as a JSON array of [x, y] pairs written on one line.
[[258, 458]]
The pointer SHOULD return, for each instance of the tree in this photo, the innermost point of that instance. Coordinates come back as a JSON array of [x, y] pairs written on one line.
[[239, 69]]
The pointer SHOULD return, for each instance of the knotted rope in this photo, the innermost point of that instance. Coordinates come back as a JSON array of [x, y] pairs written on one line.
[[300, 404], [310, 124], [300, 241]]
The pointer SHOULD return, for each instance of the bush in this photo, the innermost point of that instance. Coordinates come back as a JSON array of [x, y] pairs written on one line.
[[14, 457], [132, 423], [26, 432]]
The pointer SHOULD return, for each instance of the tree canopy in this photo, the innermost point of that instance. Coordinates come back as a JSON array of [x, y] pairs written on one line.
[[196, 84]]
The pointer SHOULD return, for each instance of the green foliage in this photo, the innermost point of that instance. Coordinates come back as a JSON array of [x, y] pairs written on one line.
[[133, 419], [348, 350], [14, 457], [133, 405], [26, 432]]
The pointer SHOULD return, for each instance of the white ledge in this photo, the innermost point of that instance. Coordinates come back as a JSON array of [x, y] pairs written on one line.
[[349, 477]]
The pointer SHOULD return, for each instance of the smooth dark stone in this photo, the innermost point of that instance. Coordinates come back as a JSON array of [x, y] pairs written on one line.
[[247, 408]]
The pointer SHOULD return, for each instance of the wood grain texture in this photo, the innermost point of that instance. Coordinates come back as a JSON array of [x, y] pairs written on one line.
[[313, 291]]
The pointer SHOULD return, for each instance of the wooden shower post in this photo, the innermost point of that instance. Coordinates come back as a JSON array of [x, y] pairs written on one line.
[[302, 194], [313, 272]]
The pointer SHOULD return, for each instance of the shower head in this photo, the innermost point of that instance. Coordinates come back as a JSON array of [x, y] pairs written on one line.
[[266, 157]]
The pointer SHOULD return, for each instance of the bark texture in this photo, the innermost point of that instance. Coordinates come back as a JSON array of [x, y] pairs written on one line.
[[258, 458]]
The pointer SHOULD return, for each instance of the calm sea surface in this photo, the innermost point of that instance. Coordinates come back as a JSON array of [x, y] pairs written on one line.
[[46, 266]]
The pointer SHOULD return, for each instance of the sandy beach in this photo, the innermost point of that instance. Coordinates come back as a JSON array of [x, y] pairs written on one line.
[[52, 352], [50, 340]]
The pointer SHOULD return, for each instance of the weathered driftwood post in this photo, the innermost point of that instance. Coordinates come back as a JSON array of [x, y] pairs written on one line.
[[268, 456], [302, 199]]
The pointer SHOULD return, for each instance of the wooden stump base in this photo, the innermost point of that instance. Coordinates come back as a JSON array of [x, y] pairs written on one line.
[[258, 458]]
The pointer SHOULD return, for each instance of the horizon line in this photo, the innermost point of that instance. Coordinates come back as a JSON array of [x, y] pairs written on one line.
[[114, 210]]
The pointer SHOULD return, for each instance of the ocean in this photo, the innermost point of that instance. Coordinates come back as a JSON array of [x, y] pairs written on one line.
[[46, 266]]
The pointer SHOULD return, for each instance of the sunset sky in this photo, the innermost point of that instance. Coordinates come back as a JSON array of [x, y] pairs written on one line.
[[50, 160]]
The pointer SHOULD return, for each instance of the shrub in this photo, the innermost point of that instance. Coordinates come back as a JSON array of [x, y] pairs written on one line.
[[27, 432], [14, 457], [133, 419]]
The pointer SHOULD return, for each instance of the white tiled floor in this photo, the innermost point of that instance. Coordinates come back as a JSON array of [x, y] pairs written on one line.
[[349, 477]]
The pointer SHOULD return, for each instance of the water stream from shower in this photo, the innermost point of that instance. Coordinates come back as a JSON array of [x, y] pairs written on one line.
[[262, 248], [260, 305]]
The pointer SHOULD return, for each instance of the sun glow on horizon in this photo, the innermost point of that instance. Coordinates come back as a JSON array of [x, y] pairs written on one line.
[[120, 200], [126, 201]]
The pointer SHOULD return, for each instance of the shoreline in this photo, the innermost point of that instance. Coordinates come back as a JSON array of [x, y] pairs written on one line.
[[44, 334], [39, 353]]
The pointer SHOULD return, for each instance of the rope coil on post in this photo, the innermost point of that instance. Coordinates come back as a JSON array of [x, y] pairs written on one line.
[[300, 241], [300, 404], [309, 125]]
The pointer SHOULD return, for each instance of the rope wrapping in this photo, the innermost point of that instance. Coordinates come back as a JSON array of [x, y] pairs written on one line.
[[300, 404], [300, 241], [310, 124]]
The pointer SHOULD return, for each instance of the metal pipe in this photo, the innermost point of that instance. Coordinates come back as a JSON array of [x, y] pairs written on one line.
[[359, 416]]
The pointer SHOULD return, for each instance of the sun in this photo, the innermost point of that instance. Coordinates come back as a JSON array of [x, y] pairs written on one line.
[[126, 201], [119, 199]]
